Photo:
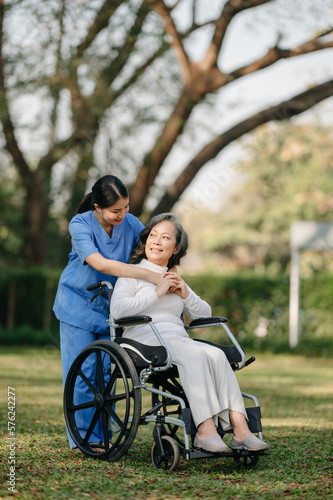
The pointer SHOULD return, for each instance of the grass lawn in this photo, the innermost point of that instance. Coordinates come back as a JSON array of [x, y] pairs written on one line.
[[296, 396]]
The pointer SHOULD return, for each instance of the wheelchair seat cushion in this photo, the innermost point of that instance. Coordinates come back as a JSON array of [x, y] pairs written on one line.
[[143, 355]]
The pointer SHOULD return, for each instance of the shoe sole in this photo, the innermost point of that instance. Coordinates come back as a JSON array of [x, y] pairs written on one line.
[[246, 448], [220, 452]]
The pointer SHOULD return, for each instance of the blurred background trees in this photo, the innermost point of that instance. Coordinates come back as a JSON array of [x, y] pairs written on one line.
[[133, 88], [287, 175]]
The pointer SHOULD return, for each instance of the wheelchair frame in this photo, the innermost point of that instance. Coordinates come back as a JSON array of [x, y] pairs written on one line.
[[114, 401]]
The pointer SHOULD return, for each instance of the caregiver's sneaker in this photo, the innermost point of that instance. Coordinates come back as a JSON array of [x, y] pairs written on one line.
[[250, 443], [213, 443]]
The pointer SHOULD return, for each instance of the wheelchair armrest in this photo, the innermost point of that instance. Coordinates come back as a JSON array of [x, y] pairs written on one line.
[[211, 321], [215, 321], [133, 320]]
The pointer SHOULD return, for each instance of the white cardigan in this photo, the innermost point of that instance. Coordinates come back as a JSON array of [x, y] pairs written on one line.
[[137, 296]]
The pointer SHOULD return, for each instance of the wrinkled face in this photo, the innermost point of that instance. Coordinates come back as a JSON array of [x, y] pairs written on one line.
[[113, 215], [161, 243]]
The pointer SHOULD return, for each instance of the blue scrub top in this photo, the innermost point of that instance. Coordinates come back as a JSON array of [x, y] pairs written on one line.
[[72, 304]]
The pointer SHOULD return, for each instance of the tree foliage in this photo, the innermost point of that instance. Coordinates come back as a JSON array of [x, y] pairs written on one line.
[[85, 85], [287, 176]]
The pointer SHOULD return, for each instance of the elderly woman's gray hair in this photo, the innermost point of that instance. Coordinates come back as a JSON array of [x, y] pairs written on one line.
[[181, 239]]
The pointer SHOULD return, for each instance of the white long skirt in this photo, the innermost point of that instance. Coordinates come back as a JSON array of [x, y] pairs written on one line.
[[208, 380]]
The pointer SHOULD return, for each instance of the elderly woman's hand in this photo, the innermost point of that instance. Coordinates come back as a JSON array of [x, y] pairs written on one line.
[[181, 288], [166, 284]]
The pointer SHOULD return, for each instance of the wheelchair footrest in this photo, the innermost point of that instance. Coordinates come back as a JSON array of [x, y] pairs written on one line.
[[194, 453]]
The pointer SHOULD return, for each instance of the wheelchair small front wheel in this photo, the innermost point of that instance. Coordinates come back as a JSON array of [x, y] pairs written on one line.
[[246, 461], [170, 459], [169, 408]]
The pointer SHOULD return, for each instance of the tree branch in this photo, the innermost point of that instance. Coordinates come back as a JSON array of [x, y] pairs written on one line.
[[229, 11], [194, 11], [139, 71], [154, 159], [101, 21], [176, 39], [276, 53], [5, 118], [177, 2], [60, 149], [109, 74], [205, 81], [283, 111], [55, 88]]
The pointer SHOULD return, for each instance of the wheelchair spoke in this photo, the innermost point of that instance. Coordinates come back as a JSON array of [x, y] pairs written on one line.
[[113, 415], [105, 429], [99, 369], [162, 461], [87, 381], [111, 381], [83, 406], [113, 398], [92, 425]]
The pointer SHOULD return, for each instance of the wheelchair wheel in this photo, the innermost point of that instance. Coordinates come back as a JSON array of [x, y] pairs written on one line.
[[169, 407], [170, 459], [102, 402], [246, 461]]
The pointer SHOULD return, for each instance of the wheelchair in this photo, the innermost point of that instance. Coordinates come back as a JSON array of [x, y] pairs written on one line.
[[113, 395]]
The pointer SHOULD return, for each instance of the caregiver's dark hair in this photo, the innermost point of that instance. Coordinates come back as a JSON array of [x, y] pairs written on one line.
[[105, 192], [139, 252]]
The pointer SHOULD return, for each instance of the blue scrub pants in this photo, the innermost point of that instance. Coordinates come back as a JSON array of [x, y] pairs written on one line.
[[72, 341]]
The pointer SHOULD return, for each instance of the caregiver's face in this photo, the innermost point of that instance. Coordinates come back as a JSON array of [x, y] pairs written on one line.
[[114, 214]]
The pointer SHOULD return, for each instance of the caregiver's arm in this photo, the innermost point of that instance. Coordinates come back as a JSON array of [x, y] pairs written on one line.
[[120, 269]]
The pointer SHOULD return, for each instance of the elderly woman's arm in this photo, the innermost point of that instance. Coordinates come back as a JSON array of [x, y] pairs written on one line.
[[194, 306]]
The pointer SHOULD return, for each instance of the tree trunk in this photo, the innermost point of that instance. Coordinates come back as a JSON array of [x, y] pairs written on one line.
[[79, 187], [37, 212]]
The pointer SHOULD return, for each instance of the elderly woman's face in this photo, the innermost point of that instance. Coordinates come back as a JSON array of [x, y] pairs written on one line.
[[161, 243]]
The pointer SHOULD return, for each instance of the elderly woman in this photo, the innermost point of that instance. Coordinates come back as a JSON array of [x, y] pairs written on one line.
[[205, 373]]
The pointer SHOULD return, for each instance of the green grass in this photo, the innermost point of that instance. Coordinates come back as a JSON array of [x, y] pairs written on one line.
[[296, 400]]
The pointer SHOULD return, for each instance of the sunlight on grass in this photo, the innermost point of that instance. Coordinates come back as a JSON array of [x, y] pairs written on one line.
[[297, 422], [325, 389]]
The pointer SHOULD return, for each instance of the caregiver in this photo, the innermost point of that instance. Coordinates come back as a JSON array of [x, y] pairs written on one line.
[[103, 235]]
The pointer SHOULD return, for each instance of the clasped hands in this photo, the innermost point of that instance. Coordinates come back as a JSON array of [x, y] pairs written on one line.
[[171, 283]]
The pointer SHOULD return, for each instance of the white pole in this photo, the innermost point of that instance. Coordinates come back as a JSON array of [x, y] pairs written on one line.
[[294, 299]]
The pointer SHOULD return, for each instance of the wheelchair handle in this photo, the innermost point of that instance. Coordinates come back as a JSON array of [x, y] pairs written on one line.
[[100, 284], [250, 360]]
